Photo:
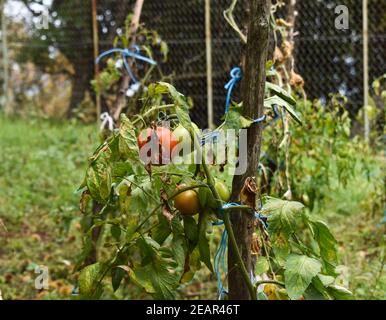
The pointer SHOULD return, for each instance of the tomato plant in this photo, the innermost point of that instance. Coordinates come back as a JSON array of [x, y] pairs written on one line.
[[146, 215]]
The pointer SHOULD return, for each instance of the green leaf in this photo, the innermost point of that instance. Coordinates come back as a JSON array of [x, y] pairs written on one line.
[[89, 281], [115, 232], [117, 275], [326, 280], [181, 105], [313, 294], [340, 293], [157, 273], [203, 242], [276, 100], [326, 241], [261, 296], [282, 215], [164, 49], [191, 228], [280, 92], [262, 265], [234, 119], [299, 272]]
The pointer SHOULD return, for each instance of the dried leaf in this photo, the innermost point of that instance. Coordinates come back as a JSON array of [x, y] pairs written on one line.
[[248, 192], [287, 48], [296, 80], [84, 200], [166, 211], [278, 57]]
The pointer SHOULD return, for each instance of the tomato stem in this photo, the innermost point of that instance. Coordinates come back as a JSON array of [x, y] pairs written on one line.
[[269, 281], [152, 109], [227, 222]]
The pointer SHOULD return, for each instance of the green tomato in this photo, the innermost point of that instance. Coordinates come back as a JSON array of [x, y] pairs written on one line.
[[222, 190], [185, 142]]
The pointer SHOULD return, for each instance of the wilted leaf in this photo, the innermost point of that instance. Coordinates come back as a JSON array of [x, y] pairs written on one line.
[[89, 281], [84, 200], [166, 211], [248, 192], [127, 139], [98, 178], [326, 241], [282, 215]]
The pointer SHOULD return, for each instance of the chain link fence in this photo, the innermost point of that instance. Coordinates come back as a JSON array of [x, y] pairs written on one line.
[[53, 66]]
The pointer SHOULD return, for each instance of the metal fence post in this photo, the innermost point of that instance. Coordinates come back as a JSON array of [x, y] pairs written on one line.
[[96, 54]]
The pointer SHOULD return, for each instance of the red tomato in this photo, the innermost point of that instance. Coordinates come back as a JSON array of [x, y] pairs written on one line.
[[156, 146]]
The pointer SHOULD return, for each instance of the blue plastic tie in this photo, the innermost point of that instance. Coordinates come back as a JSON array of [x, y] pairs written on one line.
[[235, 77], [126, 53], [219, 258]]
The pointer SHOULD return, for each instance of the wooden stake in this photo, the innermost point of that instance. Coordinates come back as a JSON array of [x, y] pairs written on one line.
[[4, 42], [96, 54], [366, 70], [253, 84]]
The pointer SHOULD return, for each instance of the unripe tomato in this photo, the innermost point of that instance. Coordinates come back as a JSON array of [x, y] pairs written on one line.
[[185, 143], [222, 190], [187, 202], [161, 141]]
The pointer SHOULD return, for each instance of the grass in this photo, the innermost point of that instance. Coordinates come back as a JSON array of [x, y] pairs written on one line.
[[355, 212], [40, 166], [42, 163]]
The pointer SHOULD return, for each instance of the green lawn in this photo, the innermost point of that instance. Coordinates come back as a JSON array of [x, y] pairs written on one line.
[[41, 165]]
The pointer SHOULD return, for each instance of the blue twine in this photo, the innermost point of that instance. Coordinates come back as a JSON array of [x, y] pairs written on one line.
[[219, 263], [219, 258], [235, 77], [126, 53]]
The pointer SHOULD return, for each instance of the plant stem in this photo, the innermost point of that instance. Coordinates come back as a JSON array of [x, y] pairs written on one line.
[[269, 281], [202, 185], [152, 109], [240, 207], [227, 222]]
